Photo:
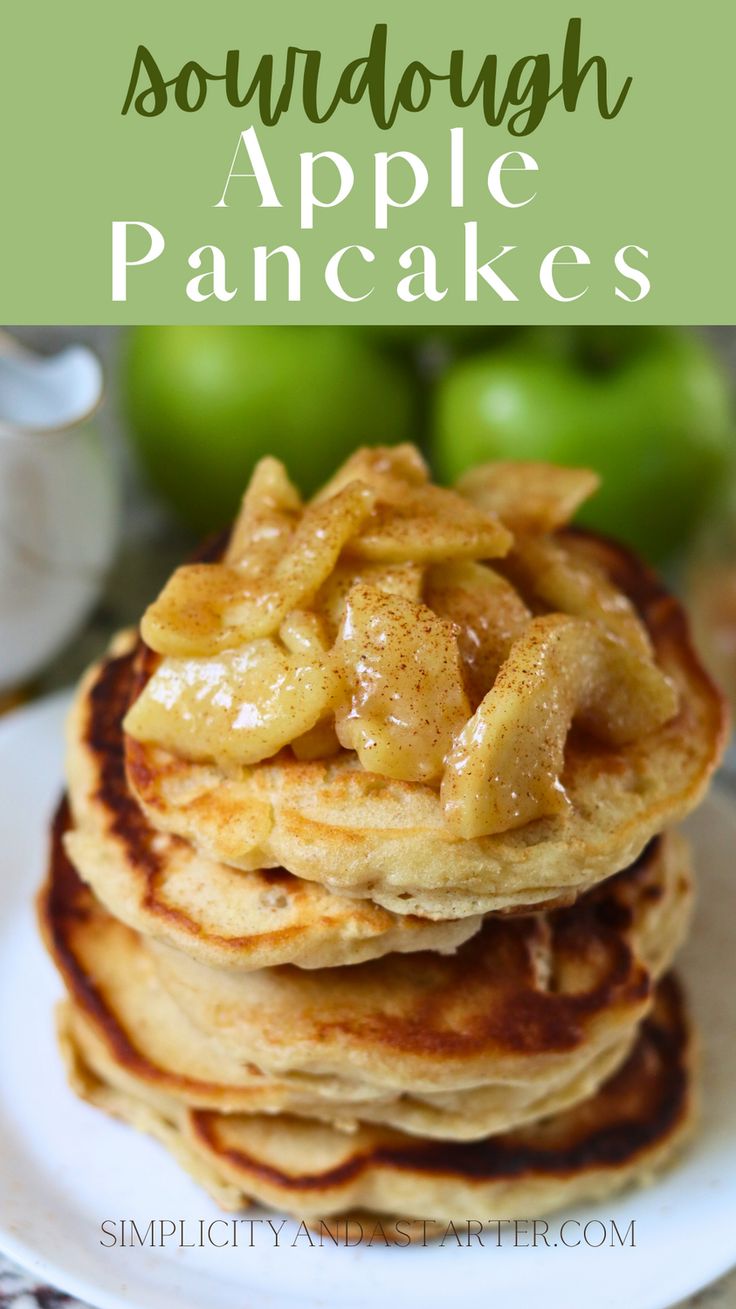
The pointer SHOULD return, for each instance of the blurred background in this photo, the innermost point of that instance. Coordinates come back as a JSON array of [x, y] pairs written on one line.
[[107, 481]]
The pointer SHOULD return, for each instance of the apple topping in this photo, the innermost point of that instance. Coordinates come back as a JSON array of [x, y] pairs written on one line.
[[414, 521], [318, 540], [407, 698], [303, 632], [528, 496], [430, 524], [488, 614], [236, 708], [404, 622], [388, 469], [208, 608], [280, 555], [268, 515], [505, 766], [396, 579], [564, 580], [188, 616]]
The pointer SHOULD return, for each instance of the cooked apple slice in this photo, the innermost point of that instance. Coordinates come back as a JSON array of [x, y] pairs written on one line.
[[488, 613], [207, 608], [427, 524], [187, 618], [268, 516], [315, 547], [385, 468], [303, 633], [408, 700], [505, 767], [551, 571], [236, 708], [397, 579], [528, 496], [414, 521]]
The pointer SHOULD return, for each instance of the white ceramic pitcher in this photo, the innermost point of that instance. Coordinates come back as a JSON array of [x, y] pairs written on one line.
[[58, 511]]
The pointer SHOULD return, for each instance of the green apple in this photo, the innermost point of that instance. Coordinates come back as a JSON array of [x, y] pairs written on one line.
[[649, 408], [204, 403], [450, 339]]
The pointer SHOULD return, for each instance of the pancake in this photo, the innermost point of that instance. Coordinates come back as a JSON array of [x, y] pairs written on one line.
[[519, 1002], [163, 887], [330, 821], [530, 1027], [624, 1133]]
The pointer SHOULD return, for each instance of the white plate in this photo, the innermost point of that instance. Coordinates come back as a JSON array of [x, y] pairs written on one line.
[[65, 1167]]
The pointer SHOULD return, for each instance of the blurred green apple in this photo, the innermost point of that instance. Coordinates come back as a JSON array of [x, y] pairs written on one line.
[[204, 403], [649, 408], [455, 339]]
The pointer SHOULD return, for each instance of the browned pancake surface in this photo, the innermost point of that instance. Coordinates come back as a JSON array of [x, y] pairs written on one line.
[[642, 1104], [519, 997]]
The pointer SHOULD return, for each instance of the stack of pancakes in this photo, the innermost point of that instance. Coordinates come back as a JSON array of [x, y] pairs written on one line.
[[415, 959]]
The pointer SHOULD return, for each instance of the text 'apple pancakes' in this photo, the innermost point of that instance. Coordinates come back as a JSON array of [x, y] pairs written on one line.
[[366, 883]]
